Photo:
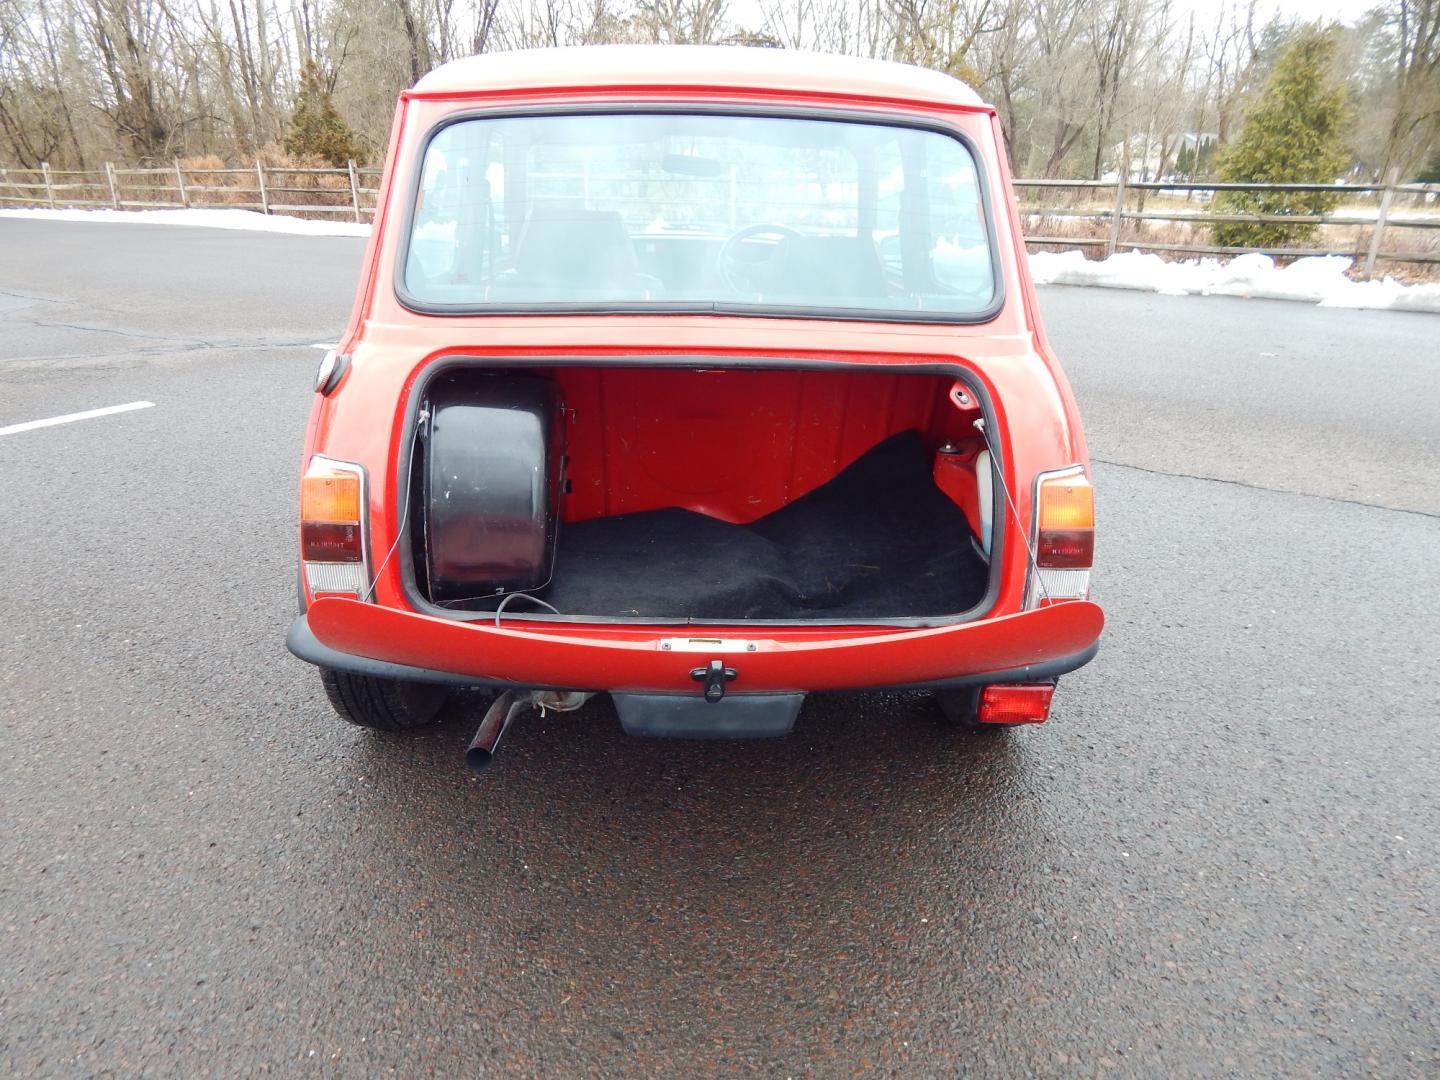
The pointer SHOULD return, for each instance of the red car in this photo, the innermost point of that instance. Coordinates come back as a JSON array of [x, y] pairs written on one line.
[[703, 377]]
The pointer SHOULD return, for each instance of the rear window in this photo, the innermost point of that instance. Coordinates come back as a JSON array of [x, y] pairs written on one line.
[[699, 212]]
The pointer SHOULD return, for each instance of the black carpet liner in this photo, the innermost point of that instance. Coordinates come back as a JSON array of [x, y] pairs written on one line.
[[879, 540]]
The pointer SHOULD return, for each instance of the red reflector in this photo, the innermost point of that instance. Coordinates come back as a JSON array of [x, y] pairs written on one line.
[[1015, 703], [330, 541]]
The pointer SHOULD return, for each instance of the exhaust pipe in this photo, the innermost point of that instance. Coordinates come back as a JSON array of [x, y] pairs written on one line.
[[498, 718], [502, 713]]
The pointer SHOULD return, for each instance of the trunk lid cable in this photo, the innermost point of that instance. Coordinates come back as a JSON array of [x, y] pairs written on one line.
[[979, 426], [420, 420]]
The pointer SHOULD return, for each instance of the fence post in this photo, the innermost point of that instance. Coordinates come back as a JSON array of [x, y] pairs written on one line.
[[49, 190], [180, 184], [354, 188], [1391, 178], [260, 178], [1119, 207], [114, 185]]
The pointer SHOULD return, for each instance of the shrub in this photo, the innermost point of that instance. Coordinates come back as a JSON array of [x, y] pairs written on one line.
[[239, 189], [316, 127], [1292, 134]]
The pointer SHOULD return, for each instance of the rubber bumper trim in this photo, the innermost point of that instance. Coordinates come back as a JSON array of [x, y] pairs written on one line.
[[303, 644]]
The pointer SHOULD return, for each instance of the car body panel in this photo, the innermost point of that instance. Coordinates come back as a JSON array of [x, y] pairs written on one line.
[[614, 658], [365, 418]]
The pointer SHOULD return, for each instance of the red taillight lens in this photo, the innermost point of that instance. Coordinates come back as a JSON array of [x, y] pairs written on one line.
[[330, 541], [1065, 534], [1066, 550], [1015, 703]]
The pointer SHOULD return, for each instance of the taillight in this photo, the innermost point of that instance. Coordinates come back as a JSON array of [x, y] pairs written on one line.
[[1064, 538], [1015, 703], [332, 532], [1065, 522], [330, 541]]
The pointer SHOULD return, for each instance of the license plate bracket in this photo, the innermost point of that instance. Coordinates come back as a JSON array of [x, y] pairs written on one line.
[[690, 716]]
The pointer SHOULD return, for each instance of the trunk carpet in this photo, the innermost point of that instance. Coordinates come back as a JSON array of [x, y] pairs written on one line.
[[878, 540]]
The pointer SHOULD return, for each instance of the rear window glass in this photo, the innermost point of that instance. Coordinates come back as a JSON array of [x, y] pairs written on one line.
[[698, 211]]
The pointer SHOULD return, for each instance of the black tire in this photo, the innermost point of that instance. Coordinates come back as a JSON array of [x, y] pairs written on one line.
[[383, 704]]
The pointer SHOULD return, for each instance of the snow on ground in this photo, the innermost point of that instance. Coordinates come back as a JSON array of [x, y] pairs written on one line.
[[1345, 215], [209, 219], [1316, 280]]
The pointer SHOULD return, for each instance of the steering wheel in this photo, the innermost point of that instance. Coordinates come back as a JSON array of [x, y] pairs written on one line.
[[745, 254]]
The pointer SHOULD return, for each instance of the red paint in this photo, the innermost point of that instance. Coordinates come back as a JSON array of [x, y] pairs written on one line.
[[584, 657], [954, 474], [625, 416], [752, 440]]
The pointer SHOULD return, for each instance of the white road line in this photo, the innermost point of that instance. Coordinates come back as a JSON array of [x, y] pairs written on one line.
[[70, 418]]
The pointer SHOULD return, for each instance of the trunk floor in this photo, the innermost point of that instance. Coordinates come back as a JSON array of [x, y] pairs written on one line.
[[879, 540]]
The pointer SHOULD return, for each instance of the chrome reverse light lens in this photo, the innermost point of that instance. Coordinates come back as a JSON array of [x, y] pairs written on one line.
[[1052, 585]]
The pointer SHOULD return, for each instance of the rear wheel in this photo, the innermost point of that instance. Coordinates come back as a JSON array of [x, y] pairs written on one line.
[[383, 704]]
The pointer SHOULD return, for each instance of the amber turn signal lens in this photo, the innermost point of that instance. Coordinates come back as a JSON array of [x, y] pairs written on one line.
[[328, 494], [1067, 502], [1066, 533]]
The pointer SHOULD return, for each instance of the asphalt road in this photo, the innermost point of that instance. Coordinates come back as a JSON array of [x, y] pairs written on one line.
[[1219, 858]]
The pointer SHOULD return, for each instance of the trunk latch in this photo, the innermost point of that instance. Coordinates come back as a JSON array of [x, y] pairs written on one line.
[[715, 675]]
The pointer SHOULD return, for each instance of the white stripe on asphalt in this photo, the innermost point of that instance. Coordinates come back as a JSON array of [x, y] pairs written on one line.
[[70, 418]]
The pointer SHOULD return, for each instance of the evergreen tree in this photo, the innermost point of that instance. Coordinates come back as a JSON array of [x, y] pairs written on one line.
[[1292, 134], [316, 127], [1430, 171], [1192, 161]]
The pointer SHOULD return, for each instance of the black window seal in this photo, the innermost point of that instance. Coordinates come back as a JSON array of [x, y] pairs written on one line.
[[421, 306]]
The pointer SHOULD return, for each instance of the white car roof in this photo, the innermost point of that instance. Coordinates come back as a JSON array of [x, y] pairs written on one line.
[[694, 66]]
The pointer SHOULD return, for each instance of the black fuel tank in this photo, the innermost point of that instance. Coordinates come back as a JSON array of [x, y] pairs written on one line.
[[492, 483]]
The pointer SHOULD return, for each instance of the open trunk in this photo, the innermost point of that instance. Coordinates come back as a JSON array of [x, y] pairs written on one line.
[[675, 494]]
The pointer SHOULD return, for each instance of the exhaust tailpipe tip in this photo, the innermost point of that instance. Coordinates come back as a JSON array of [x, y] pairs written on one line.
[[498, 718], [478, 759]]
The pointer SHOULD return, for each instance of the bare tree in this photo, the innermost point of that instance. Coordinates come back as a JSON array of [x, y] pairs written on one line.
[[1415, 111], [1072, 80], [682, 22], [1230, 55]]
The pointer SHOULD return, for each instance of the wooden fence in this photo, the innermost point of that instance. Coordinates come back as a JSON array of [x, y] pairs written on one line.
[[270, 189], [349, 192], [1368, 239]]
